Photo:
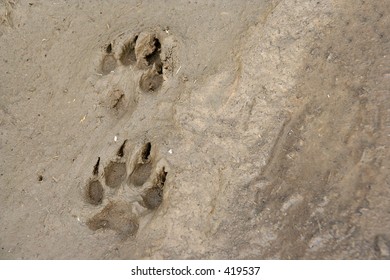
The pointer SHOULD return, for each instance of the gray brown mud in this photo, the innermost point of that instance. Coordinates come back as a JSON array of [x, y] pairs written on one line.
[[195, 129]]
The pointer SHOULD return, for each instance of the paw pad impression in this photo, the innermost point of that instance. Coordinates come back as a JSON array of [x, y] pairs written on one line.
[[117, 214]]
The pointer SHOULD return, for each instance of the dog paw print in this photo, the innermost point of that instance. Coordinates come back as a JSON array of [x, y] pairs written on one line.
[[143, 53], [117, 193]]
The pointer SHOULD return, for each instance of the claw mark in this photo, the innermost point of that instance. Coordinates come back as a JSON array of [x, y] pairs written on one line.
[[109, 48], [145, 154], [96, 167], [120, 152], [161, 177]]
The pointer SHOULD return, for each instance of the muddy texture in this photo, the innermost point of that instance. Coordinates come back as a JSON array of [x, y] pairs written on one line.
[[195, 129]]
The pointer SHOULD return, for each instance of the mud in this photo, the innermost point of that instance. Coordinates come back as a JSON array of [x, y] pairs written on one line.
[[195, 129]]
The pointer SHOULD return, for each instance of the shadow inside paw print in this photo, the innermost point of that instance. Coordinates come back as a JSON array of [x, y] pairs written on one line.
[[147, 51], [144, 51], [118, 214], [151, 80], [127, 56]]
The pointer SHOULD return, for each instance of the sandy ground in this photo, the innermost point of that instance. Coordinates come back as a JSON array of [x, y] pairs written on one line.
[[195, 129]]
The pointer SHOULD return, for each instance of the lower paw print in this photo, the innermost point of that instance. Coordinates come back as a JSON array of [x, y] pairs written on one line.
[[121, 196]]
